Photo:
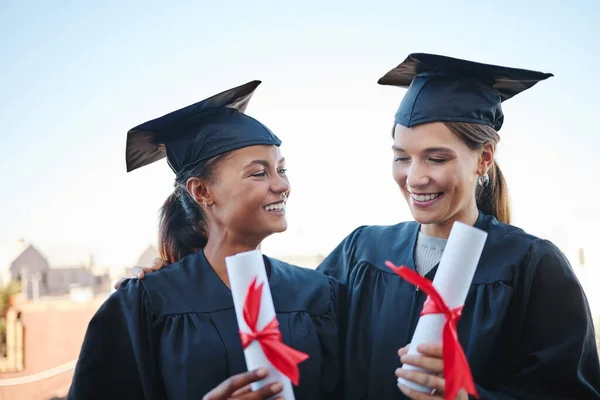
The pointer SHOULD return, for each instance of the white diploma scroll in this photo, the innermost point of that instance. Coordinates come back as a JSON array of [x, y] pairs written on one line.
[[452, 280], [242, 269]]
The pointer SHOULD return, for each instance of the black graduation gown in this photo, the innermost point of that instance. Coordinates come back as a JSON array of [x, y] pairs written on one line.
[[526, 326], [174, 334]]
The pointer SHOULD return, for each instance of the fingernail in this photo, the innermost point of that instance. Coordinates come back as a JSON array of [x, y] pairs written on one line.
[[276, 388], [262, 372], [138, 274]]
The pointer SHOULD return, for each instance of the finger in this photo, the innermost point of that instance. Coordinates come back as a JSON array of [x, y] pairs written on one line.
[[422, 378], [264, 392], [416, 395], [138, 272], [434, 365], [229, 386], [431, 350], [157, 264], [119, 283], [403, 351], [245, 389], [462, 395]]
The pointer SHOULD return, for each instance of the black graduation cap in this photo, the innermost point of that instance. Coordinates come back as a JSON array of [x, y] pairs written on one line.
[[198, 132], [442, 88]]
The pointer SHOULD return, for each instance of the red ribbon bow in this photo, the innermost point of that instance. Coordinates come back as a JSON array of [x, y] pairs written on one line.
[[283, 357], [457, 372]]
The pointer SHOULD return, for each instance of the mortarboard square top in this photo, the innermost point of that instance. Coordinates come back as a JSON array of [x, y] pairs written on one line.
[[442, 89], [198, 132]]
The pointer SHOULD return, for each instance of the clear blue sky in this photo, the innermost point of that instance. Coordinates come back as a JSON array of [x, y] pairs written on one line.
[[75, 76]]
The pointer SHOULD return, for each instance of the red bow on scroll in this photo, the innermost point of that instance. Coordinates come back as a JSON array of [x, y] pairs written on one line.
[[457, 373], [283, 357]]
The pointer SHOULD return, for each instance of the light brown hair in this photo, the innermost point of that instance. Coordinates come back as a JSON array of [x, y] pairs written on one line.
[[492, 199]]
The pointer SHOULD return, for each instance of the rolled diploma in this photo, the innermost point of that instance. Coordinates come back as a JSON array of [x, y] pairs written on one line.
[[452, 280], [242, 268]]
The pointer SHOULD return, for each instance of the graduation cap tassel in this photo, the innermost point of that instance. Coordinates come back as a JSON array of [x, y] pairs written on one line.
[[283, 357], [457, 373]]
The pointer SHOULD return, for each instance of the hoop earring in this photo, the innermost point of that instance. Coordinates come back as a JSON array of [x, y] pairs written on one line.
[[483, 180]]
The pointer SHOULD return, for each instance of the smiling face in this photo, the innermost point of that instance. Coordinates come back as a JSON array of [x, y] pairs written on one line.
[[247, 194], [437, 173]]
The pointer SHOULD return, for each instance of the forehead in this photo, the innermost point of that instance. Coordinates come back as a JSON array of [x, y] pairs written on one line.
[[248, 154], [423, 136]]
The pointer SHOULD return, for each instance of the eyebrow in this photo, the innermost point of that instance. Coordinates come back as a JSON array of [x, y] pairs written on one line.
[[264, 163], [427, 150]]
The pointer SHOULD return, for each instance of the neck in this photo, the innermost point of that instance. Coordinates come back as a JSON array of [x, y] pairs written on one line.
[[221, 245], [442, 229]]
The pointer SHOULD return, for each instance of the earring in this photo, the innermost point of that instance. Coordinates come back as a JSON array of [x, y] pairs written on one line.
[[204, 202], [483, 180], [284, 196]]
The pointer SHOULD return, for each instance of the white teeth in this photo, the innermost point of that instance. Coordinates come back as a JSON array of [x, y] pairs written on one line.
[[424, 197], [275, 207]]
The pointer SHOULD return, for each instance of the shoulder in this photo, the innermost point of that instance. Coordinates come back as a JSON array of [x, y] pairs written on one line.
[[367, 234], [297, 288], [500, 232], [502, 237], [370, 245], [547, 258], [176, 288], [128, 302], [174, 274], [378, 243], [511, 246], [369, 242], [385, 234], [387, 230]]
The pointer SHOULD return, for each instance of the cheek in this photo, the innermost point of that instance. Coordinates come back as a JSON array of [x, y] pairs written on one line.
[[399, 174], [447, 177], [242, 203], [457, 182], [451, 177], [466, 175]]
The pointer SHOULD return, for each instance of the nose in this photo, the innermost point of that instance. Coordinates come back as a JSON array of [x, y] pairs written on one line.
[[417, 175], [280, 184]]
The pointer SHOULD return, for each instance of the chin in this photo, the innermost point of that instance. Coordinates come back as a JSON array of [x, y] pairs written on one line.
[[425, 217], [281, 228], [278, 227]]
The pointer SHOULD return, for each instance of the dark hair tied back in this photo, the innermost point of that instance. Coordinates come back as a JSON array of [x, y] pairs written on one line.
[[182, 227]]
